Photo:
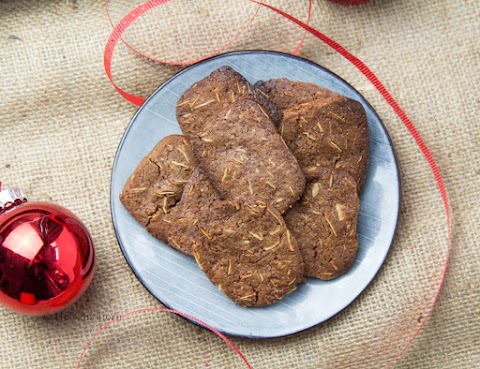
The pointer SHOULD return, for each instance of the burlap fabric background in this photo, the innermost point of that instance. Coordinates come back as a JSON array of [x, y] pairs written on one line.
[[61, 122]]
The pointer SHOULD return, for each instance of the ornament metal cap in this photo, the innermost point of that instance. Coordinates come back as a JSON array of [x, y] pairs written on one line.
[[11, 196]]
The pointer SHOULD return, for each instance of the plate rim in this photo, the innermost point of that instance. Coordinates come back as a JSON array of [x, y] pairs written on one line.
[[381, 126]]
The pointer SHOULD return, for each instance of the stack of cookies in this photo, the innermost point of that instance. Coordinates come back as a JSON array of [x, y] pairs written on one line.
[[262, 189]]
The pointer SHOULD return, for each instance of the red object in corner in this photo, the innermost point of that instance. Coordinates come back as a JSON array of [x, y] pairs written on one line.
[[46, 258]]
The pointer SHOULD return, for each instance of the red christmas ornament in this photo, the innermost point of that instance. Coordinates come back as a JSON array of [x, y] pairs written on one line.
[[46, 255]]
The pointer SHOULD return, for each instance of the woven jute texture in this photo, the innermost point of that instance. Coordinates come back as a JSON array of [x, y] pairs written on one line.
[[61, 122]]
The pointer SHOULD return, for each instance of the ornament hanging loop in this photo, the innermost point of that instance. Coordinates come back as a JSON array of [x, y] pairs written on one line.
[[11, 197]]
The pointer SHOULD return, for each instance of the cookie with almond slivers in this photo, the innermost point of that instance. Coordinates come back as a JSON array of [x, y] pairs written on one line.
[[157, 184], [251, 255], [329, 134], [242, 153], [245, 249], [219, 89], [322, 128], [324, 223], [285, 93], [180, 227]]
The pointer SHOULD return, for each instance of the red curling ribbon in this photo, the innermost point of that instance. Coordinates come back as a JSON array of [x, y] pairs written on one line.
[[299, 46], [139, 311], [133, 15], [228, 43], [186, 62], [113, 40], [366, 71]]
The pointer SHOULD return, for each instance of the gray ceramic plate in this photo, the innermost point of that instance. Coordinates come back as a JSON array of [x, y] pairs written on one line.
[[177, 281]]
